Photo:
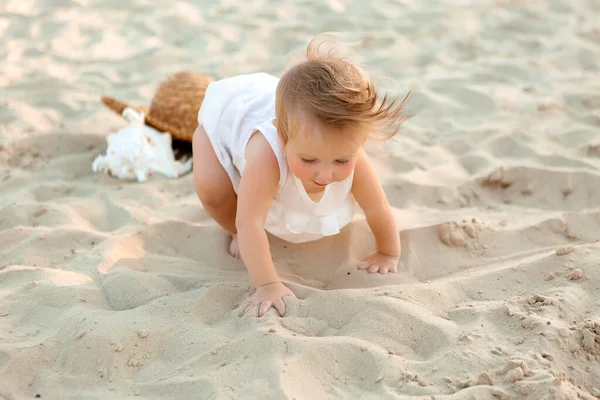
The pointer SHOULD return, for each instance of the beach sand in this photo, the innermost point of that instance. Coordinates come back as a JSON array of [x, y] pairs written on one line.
[[111, 289]]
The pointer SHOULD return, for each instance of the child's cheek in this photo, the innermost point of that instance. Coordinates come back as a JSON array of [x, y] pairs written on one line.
[[345, 171], [301, 170]]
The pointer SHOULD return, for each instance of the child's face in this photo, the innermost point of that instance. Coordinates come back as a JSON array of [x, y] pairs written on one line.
[[320, 158]]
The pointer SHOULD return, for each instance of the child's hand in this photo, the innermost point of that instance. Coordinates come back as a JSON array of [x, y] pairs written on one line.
[[267, 296], [377, 262]]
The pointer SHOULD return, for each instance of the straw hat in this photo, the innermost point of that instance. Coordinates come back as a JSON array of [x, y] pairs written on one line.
[[175, 105]]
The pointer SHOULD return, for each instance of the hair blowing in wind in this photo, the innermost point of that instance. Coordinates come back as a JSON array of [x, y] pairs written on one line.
[[337, 93]]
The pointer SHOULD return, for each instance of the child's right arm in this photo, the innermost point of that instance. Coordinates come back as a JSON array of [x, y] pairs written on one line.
[[258, 186]]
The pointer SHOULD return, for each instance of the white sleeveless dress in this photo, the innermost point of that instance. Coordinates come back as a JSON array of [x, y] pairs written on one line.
[[233, 109]]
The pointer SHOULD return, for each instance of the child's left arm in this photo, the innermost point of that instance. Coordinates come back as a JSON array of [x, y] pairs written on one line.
[[370, 196]]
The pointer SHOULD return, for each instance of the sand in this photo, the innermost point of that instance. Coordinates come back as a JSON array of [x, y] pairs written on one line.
[[111, 289]]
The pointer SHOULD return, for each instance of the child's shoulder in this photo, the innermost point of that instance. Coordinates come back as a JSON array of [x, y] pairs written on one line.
[[259, 148], [260, 154]]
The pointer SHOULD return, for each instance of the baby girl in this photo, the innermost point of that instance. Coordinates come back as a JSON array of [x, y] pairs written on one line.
[[286, 156]]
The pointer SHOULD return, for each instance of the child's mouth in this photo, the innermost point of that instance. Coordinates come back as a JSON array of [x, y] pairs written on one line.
[[319, 184]]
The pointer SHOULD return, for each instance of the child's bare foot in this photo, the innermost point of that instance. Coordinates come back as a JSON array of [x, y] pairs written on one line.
[[234, 249]]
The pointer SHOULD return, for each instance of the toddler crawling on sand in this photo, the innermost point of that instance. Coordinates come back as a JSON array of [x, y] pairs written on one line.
[[286, 156]]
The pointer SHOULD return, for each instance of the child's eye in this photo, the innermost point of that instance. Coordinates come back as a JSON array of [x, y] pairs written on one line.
[[342, 162], [308, 161]]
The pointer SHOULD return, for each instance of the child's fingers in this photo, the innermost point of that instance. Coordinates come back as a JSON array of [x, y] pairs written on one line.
[[248, 300], [365, 264], [383, 270], [264, 307], [250, 306], [373, 268], [279, 305]]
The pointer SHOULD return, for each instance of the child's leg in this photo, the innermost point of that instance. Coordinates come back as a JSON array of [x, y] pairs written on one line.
[[212, 183]]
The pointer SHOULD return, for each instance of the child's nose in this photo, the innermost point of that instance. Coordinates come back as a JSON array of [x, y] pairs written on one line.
[[325, 175]]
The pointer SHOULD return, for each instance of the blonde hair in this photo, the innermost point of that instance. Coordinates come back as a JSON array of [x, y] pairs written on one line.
[[335, 92]]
